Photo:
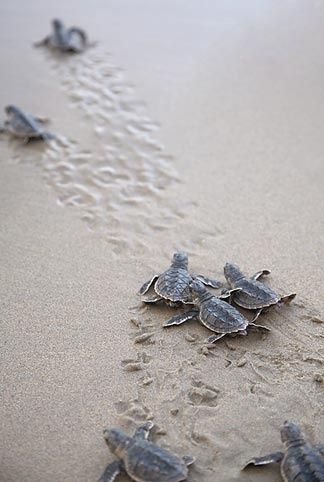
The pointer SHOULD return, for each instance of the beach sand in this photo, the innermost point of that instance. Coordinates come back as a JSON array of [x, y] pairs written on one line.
[[194, 126]]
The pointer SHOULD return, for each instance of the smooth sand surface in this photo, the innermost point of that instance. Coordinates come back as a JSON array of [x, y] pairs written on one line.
[[194, 126]]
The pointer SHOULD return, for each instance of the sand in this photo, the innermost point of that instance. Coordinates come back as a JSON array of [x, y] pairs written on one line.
[[194, 126]]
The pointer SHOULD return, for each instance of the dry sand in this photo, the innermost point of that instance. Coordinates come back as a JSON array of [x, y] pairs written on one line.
[[231, 170]]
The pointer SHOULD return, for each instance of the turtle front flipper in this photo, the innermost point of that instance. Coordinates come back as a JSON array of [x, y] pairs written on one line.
[[41, 120], [275, 457], [213, 283], [179, 319], [147, 285], [111, 471], [258, 274], [188, 460], [143, 431]]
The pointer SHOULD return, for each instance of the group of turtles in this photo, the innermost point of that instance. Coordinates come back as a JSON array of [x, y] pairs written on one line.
[[140, 459], [145, 461], [26, 126], [177, 286]]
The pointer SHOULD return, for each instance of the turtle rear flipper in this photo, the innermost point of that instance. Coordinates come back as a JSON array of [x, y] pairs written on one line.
[[47, 136], [275, 457], [42, 43], [288, 298], [213, 283], [179, 319], [111, 471]]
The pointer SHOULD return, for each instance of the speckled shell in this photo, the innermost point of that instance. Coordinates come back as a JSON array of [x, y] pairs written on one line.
[[303, 463], [173, 285], [146, 462], [254, 295], [221, 317]]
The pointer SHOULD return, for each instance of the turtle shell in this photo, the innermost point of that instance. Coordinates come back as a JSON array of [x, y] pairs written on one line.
[[254, 295], [146, 462], [221, 317], [173, 285], [303, 463], [22, 125]]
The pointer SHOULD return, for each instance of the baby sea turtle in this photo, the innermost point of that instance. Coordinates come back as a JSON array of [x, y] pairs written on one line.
[[172, 286], [253, 294], [65, 39], [24, 125], [302, 462], [215, 313], [142, 460]]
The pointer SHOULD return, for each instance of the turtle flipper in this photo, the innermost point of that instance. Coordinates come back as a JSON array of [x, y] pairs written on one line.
[[42, 43], [258, 274], [154, 299], [81, 33], [288, 298], [179, 319], [214, 338], [188, 459], [213, 283], [143, 431], [266, 459], [259, 327], [147, 285], [111, 471], [226, 293]]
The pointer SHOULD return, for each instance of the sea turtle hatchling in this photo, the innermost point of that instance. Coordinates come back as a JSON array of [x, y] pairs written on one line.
[[65, 39], [24, 125], [301, 462], [253, 294], [172, 286], [142, 460], [214, 313]]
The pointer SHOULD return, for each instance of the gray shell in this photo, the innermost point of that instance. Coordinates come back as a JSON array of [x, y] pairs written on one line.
[[146, 462], [23, 125], [254, 294], [221, 317], [173, 285], [303, 463]]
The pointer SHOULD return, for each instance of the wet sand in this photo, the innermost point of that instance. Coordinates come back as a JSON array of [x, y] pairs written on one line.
[[195, 127]]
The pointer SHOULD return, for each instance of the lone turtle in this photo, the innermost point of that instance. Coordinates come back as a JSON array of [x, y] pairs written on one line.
[[301, 462], [142, 460], [214, 313], [253, 294], [24, 125], [64, 39], [172, 286]]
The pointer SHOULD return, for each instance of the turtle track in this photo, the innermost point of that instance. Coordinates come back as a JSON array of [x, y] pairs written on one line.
[[125, 186]]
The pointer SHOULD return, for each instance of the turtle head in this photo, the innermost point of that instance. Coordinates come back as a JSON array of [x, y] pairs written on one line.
[[11, 109], [57, 24], [290, 433], [198, 290], [180, 259], [232, 273], [116, 440]]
